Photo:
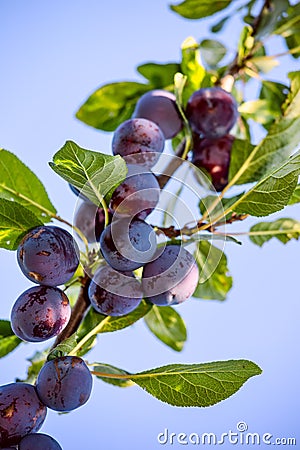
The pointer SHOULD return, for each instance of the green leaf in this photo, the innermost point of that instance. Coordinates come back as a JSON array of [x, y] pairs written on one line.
[[5, 328], [109, 323], [283, 137], [195, 9], [179, 84], [260, 111], [292, 104], [272, 193], [290, 23], [111, 104], [223, 203], [15, 222], [196, 384], [159, 75], [270, 17], [289, 28], [8, 344], [95, 323], [167, 325], [275, 93], [214, 281], [295, 198], [64, 348], [97, 175], [107, 368], [212, 51], [36, 363], [8, 340], [219, 25], [245, 44], [191, 67], [19, 183], [283, 229], [263, 64]]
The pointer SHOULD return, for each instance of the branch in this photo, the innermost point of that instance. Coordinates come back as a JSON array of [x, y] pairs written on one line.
[[78, 312], [171, 232]]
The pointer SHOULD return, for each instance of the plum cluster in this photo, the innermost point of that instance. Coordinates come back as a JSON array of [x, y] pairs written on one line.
[[212, 112], [63, 384], [170, 274], [48, 256]]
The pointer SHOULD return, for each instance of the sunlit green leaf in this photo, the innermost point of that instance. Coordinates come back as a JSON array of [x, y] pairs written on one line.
[[8, 340], [15, 222], [283, 229], [273, 192], [95, 174], [214, 280], [282, 139], [188, 384], [212, 51], [167, 325], [191, 67], [159, 75], [19, 183], [295, 198], [195, 9], [111, 104]]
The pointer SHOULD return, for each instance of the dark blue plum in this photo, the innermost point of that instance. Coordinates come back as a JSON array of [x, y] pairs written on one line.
[[48, 255], [21, 412], [171, 278], [39, 441], [90, 220], [114, 293], [160, 107], [139, 141], [40, 313], [127, 245], [137, 196], [65, 383], [213, 155], [211, 112]]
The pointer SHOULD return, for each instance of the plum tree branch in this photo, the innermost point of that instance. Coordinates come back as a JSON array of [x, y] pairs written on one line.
[[78, 311]]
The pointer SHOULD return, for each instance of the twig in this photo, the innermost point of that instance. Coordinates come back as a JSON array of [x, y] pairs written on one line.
[[78, 312], [172, 232]]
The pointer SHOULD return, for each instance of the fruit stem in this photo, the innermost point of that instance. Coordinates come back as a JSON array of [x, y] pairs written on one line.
[[88, 336]]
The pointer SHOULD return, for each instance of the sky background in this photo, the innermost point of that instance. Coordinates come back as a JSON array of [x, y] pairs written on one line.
[[53, 55]]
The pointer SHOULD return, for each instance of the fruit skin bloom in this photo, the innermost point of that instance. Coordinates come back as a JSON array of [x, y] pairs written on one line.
[[39, 441], [160, 107], [212, 112], [171, 278], [21, 412], [140, 141], [114, 293], [213, 155], [40, 313], [48, 255], [65, 383]]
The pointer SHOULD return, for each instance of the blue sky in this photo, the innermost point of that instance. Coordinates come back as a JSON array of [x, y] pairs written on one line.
[[53, 55]]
